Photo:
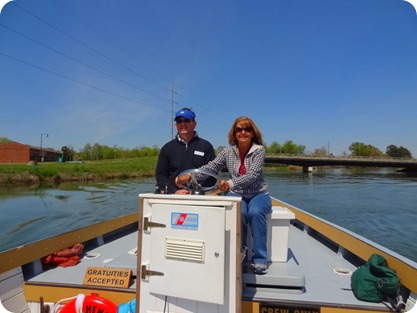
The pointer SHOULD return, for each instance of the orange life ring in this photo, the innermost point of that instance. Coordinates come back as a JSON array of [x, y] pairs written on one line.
[[83, 304]]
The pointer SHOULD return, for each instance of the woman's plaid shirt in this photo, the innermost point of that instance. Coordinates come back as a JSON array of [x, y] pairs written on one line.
[[248, 184]]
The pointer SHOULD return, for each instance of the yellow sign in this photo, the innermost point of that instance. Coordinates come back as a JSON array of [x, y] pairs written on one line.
[[106, 276]]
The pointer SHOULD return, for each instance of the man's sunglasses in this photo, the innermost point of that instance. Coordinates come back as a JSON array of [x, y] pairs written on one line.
[[241, 129], [183, 120]]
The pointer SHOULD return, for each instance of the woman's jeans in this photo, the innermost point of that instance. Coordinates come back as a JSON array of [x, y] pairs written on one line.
[[254, 212]]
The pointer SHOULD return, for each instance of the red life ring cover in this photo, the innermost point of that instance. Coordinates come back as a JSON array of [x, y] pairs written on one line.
[[90, 304]]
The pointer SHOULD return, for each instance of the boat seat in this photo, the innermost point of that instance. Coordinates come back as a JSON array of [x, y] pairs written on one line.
[[278, 225], [282, 265]]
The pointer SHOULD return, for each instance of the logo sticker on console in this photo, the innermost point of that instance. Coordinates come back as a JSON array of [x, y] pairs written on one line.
[[184, 220]]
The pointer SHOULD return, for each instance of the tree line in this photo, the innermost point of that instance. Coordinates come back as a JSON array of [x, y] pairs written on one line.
[[357, 149], [361, 149], [92, 152], [102, 152]]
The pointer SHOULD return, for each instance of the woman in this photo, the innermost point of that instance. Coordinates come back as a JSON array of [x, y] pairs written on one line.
[[244, 159]]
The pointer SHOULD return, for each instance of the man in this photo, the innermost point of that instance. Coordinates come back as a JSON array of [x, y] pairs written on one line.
[[186, 151]]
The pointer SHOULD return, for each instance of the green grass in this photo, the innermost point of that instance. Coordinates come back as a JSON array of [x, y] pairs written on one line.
[[49, 172]]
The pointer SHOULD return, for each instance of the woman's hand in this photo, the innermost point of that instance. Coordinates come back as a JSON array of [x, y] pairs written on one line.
[[224, 186]]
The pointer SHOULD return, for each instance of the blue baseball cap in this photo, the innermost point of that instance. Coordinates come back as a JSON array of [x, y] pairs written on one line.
[[185, 114]]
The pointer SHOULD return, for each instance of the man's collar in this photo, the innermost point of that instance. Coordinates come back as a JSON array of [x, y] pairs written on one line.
[[182, 140]]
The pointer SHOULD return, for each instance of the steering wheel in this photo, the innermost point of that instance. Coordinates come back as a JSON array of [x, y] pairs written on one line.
[[201, 182]]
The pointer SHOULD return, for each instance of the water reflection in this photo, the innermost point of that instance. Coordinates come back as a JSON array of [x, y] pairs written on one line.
[[32, 214]]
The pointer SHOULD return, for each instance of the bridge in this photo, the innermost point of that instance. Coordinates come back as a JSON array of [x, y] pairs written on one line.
[[308, 161]]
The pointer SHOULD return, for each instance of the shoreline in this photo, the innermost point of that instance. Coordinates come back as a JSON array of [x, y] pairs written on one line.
[[26, 179]]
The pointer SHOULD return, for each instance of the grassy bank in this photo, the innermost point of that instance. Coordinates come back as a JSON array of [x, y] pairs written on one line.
[[55, 173]]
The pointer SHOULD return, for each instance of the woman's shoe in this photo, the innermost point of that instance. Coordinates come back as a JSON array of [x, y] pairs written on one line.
[[260, 269]]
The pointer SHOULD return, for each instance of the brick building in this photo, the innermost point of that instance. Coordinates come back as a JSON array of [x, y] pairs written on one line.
[[14, 152]]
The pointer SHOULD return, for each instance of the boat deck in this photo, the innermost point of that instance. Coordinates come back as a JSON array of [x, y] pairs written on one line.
[[317, 263], [299, 280]]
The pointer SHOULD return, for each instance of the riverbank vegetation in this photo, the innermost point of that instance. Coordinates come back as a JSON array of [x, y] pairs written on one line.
[[57, 172]]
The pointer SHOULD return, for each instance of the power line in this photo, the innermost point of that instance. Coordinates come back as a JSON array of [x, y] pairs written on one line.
[[189, 101], [107, 38], [102, 72], [80, 82], [87, 46], [83, 63]]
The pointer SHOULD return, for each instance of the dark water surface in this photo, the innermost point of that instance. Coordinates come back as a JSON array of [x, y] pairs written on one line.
[[379, 204]]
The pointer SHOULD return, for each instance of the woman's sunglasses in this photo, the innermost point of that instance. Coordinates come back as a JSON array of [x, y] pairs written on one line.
[[241, 129]]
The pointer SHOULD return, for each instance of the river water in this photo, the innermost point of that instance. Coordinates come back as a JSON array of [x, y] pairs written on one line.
[[379, 204]]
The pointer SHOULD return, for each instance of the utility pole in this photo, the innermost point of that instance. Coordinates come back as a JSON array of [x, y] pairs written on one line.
[[42, 154]]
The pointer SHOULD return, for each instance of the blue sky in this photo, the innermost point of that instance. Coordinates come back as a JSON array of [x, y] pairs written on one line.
[[322, 73]]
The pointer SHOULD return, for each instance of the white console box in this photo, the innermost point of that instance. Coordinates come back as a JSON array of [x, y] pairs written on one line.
[[189, 254], [278, 234]]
